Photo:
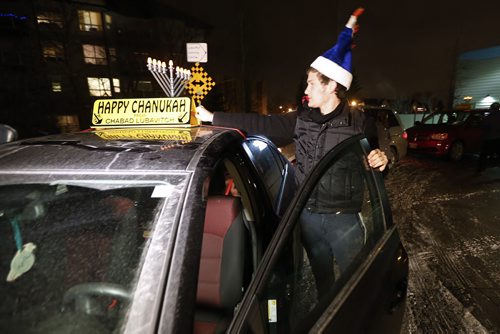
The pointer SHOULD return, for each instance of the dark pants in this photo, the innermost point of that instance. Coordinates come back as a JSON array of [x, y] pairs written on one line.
[[330, 240]]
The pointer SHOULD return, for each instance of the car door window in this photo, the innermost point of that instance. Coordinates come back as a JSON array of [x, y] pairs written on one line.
[[475, 120], [269, 166], [332, 229], [391, 119]]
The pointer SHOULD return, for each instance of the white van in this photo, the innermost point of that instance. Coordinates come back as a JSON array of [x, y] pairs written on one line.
[[392, 138]]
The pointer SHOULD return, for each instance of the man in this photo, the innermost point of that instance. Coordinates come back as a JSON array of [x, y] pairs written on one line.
[[325, 113], [491, 137], [325, 120]]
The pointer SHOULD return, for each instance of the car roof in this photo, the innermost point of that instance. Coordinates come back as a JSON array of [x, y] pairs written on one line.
[[455, 111], [372, 110], [119, 149], [369, 107], [468, 111]]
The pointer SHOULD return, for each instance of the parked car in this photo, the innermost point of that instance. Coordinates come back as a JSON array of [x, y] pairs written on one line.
[[447, 134], [181, 230], [392, 138]]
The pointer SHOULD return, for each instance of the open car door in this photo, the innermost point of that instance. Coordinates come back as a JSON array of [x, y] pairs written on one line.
[[336, 262]]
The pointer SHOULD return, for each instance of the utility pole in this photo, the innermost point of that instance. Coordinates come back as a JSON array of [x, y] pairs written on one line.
[[244, 91]]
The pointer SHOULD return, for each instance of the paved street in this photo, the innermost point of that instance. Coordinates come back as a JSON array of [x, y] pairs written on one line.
[[449, 220]]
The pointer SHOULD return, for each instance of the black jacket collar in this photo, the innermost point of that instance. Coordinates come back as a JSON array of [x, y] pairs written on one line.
[[338, 117]]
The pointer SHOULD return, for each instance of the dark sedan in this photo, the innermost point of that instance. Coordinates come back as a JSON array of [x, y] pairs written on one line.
[[182, 230], [447, 134]]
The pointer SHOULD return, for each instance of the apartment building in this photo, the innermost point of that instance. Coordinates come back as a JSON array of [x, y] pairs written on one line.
[[57, 57]]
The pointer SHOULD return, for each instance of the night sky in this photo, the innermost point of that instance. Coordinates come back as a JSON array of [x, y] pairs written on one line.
[[403, 47]]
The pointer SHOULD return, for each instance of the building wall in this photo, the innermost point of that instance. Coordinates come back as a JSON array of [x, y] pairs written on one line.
[[478, 78]]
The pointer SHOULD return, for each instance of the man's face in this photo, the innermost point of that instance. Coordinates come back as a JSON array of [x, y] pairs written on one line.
[[317, 92]]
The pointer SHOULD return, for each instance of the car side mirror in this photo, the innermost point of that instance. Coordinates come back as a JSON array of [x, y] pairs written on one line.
[[418, 122], [7, 134]]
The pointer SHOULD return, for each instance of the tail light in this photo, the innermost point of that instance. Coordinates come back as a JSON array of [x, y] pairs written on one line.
[[404, 135]]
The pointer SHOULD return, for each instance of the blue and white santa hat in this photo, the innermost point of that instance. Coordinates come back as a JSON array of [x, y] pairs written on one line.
[[336, 62]]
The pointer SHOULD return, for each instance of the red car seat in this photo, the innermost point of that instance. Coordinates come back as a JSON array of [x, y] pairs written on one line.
[[222, 264]]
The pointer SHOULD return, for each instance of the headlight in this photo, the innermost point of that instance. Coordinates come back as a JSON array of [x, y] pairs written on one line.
[[439, 136]]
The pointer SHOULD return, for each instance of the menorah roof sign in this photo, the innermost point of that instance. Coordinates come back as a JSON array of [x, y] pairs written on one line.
[[197, 81], [172, 85]]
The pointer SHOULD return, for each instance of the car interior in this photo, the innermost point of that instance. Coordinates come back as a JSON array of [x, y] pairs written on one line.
[[230, 251], [86, 245]]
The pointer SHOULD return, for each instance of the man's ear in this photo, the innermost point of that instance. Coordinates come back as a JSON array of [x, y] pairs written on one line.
[[332, 85]]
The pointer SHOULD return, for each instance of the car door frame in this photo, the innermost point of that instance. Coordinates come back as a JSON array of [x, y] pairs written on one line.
[[250, 305]]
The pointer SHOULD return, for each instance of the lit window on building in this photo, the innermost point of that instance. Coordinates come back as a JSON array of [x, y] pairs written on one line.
[[53, 51], [94, 54], [144, 86], [116, 85], [99, 86], [108, 20], [90, 21], [50, 19], [56, 87], [68, 123]]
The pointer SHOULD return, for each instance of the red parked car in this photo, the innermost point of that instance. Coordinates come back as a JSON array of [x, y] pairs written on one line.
[[449, 134]]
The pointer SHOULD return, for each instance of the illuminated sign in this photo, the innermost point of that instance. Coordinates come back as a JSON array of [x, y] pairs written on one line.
[[178, 111]]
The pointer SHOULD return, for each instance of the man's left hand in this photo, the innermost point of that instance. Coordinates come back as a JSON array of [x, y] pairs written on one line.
[[377, 159]]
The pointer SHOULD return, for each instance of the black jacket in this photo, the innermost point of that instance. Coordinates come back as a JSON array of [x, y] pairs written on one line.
[[314, 135]]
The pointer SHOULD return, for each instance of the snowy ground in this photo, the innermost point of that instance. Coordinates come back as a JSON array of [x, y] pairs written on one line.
[[449, 220]]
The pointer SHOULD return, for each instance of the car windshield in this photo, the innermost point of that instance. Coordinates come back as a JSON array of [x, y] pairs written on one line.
[[452, 117], [70, 252]]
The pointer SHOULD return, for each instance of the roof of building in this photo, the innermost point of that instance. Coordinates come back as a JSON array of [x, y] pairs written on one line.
[[480, 54]]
